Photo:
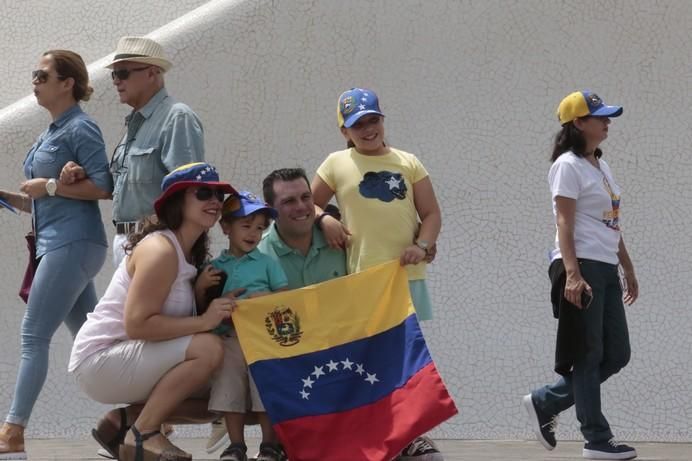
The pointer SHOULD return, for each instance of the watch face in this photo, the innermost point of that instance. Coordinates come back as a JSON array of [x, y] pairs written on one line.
[[51, 187]]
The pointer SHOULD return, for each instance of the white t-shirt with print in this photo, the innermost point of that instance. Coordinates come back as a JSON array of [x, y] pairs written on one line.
[[596, 223]]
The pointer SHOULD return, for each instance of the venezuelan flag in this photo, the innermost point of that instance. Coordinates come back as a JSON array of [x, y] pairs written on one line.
[[342, 367]]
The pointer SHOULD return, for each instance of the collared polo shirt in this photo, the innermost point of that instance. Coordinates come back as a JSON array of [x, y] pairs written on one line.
[[320, 264], [73, 136], [161, 136], [253, 271]]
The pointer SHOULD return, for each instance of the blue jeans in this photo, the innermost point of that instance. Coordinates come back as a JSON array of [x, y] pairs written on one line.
[[607, 352], [62, 291]]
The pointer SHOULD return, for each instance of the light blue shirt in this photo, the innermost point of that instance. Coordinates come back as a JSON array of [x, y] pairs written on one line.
[[59, 220], [253, 271], [161, 136]]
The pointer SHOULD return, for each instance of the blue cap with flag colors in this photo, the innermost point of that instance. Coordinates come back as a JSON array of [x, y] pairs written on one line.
[[243, 204], [583, 103], [355, 103], [190, 175]]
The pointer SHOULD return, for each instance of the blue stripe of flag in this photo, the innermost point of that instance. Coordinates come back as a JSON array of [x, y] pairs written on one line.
[[343, 377]]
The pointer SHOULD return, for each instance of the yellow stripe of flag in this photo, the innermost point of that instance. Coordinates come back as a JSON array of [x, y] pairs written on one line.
[[325, 315]]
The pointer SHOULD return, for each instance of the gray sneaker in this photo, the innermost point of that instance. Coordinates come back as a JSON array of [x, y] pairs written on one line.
[[421, 449], [234, 452]]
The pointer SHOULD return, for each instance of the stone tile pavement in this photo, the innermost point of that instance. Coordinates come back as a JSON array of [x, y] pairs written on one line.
[[454, 450]]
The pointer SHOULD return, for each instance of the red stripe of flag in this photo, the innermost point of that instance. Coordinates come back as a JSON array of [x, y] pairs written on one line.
[[374, 432]]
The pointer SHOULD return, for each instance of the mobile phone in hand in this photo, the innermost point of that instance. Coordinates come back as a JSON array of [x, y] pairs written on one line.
[[586, 298]]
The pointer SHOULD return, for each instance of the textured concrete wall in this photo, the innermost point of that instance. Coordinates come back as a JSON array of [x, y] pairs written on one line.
[[30, 27], [471, 87]]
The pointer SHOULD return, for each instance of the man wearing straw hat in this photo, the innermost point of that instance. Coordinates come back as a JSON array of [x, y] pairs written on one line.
[[160, 134]]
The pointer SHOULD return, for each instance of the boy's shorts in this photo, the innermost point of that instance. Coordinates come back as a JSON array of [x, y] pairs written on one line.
[[232, 387]]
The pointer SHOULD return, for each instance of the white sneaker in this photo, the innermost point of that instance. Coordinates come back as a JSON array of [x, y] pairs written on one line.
[[219, 436]]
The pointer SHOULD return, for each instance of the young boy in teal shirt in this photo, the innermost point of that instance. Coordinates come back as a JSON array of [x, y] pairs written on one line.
[[244, 218]]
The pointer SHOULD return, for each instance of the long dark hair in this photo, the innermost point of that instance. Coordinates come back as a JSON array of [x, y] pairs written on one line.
[[570, 138], [171, 218]]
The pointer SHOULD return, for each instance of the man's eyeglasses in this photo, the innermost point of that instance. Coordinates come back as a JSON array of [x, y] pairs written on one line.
[[41, 76], [206, 193], [124, 74]]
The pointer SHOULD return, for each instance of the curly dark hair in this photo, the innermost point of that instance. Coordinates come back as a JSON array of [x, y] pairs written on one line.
[[170, 218]]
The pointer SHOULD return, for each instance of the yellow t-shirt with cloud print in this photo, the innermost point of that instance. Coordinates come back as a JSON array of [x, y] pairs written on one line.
[[375, 195]]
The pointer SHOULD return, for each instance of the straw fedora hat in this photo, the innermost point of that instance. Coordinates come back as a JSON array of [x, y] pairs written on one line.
[[140, 49]]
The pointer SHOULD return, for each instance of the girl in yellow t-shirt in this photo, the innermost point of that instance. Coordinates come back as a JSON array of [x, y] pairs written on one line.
[[382, 193]]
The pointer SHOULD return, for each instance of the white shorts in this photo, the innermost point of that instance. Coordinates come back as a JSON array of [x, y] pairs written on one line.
[[232, 387], [128, 371]]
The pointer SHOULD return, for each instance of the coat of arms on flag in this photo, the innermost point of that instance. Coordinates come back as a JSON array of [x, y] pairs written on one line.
[[342, 367]]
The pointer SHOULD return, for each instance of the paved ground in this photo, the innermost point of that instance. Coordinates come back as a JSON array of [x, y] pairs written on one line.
[[454, 450]]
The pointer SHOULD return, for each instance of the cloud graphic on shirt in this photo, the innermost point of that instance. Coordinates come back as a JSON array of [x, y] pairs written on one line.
[[383, 185]]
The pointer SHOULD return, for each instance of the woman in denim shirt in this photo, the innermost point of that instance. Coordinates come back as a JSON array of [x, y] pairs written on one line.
[[70, 237]]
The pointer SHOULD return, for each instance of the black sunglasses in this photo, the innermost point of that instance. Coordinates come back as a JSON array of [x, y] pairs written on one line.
[[41, 76], [124, 74], [206, 193]]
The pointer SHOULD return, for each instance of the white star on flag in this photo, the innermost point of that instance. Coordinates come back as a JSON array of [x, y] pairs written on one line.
[[372, 378], [308, 382], [304, 394], [361, 107], [318, 372], [199, 177], [359, 369], [393, 183], [332, 365], [363, 99], [347, 364]]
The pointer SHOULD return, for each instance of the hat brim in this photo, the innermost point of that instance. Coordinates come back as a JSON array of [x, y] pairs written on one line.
[[224, 186], [350, 121], [607, 111], [248, 210], [164, 64]]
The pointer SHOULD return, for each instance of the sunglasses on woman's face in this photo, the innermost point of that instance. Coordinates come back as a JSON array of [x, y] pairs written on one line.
[[206, 193], [41, 76], [124, 74]]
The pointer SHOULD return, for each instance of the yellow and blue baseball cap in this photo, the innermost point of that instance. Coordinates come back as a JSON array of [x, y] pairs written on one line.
[[243, 204], [190, 175], [583, 103], [355, 103]]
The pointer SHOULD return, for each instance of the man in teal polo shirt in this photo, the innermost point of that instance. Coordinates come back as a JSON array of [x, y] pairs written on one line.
[[299, 246], [293, 239]]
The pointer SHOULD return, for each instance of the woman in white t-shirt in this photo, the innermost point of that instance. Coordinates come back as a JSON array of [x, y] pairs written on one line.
[[144, 345], [592, 339]]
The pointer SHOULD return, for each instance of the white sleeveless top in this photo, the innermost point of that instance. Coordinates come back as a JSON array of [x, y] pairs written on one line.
[[106, 325]]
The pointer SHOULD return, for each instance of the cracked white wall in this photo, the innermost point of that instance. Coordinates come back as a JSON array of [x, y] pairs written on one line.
[[471, 87]]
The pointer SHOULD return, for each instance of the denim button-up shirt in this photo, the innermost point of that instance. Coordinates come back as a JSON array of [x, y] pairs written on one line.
[[161, 136], [60, 220]]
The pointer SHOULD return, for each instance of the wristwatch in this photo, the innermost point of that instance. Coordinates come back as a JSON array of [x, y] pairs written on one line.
[[51, 187], [423, 245]]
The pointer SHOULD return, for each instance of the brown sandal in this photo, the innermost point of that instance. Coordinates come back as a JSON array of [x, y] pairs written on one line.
[[11, 445], [139, 453], [108, 435]]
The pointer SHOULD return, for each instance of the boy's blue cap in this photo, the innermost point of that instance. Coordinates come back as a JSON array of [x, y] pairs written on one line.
[[243, 204], [355, 103]]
